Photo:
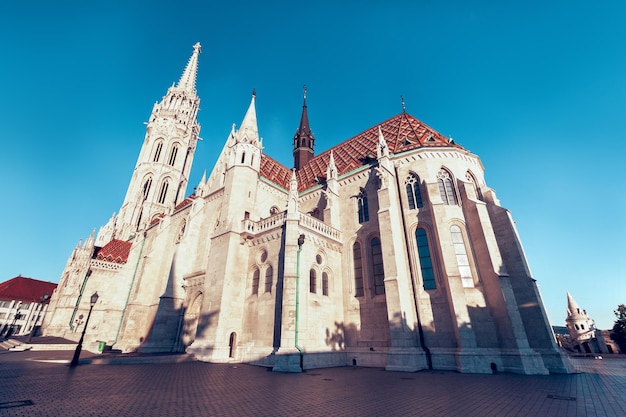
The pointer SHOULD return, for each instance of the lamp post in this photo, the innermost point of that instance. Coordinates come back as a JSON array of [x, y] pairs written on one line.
[[79, 347], [44, 298]]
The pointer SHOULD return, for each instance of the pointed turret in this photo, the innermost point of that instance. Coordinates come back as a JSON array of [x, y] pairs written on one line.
[[382, 150], [303, 140], [580, 326], [249, 130], [331, 169], [572, 307]]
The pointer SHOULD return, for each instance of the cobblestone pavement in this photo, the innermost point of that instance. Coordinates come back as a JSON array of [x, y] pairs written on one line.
[[34, 384]]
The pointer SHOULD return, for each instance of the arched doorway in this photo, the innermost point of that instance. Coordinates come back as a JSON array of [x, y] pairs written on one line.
[[190, 320]]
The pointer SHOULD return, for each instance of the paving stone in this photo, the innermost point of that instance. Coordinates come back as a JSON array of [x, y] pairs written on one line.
[[31, 387]]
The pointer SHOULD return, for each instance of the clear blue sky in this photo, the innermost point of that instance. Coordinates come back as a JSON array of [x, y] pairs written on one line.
[[537, 90]]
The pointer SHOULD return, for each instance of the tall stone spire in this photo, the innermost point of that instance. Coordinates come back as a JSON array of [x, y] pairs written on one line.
[[303, 140], [187, 81], [161, 174]]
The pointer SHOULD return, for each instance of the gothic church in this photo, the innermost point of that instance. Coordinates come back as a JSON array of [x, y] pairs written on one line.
[[387, 250]]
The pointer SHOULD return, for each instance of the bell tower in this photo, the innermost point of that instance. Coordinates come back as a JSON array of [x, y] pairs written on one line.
[[303, 140], [160, 178]]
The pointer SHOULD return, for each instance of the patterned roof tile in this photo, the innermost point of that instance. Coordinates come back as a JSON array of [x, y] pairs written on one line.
[[402, 133], [115, 251]]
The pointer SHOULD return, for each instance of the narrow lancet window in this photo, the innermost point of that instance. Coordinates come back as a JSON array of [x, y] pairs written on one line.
[[312, 281], [268, 279], [255, 282], [173, 154], [426, 264], [363, 210], [358, 270], [377, 267], [462, 259], [163, 192]]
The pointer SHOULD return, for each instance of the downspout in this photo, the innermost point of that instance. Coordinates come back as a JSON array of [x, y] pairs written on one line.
[[130, 289], [297, 346], [420, 331], [80, 295]]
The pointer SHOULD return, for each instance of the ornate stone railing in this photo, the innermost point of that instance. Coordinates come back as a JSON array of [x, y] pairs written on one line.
[[251, 227], [311, 223]]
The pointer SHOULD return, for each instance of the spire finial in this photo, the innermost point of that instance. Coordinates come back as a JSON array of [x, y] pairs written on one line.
[[254, 93], [403, 105], [304, 91]]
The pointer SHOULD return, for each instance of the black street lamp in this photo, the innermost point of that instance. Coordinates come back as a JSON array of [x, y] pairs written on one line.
[[79, 347], [44, 298]]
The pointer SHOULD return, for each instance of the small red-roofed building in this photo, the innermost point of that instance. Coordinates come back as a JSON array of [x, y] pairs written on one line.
[[23, 305], [387, 250]]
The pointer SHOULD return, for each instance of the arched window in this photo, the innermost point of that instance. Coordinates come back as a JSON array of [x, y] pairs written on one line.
[[157, 152], [163, 192], [324, 283], [358, 270], [377, 267], [312, 281], [243, 157], [446, 187], [268, 279], [173, 154], [471, 178], [462, 259], [426, 263], [362, 207], [255, 282], [413, 193], [146, 188]]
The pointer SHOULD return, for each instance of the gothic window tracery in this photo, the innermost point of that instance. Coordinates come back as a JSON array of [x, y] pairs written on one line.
[[173, 154], [462, 259], [426, 263], [470, 177], [362, 208], [413, 193], [157, 152], [446, 187], [358, 270], [146, 188], [378, 270], [163, 192]]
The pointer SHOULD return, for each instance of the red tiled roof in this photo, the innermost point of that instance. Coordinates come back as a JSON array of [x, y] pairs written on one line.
[[187, 201], [402, 133], [25, 289], [275, 171], [115, 251]]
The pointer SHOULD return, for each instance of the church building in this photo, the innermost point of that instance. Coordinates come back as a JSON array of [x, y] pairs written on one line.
[[387, 250]]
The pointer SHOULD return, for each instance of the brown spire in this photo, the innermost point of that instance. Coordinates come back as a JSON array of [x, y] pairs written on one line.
[[303, 140]]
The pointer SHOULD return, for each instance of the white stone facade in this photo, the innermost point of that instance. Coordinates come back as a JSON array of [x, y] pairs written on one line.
[[387, 251]]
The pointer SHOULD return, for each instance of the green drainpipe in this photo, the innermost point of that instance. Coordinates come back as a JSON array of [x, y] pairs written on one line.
[[130, 289], [300, 242]]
